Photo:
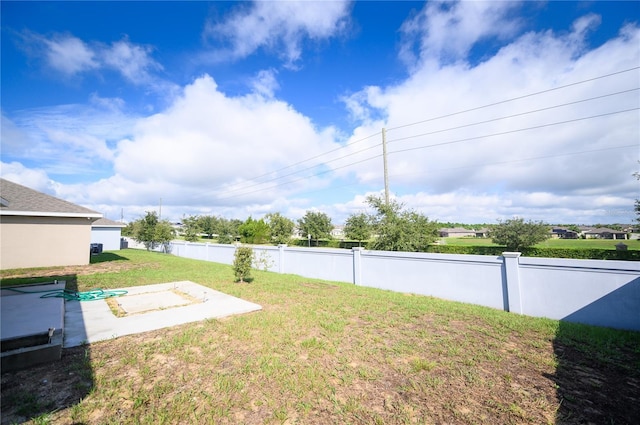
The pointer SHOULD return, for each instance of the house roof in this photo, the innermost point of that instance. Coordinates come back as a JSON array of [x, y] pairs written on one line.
[[600, 230], [21, 200], [460, 230], [105, 222]]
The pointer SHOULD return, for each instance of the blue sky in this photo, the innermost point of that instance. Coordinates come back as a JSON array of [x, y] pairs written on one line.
[[491, 109]]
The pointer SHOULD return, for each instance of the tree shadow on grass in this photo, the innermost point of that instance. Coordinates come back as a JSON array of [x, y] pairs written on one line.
[[38, 391], [597, 375], [105, 257]]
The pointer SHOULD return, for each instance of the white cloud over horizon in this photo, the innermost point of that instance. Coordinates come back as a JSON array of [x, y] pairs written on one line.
[[209, 152]]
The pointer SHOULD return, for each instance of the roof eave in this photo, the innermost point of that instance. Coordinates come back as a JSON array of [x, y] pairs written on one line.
[[88, 215]]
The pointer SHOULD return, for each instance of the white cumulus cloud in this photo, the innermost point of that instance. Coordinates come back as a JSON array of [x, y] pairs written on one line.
[[570, 144], [279, 26], [206, 146]]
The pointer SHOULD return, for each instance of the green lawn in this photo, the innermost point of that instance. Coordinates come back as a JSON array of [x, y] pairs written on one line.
[[550, 243], [325, 352]]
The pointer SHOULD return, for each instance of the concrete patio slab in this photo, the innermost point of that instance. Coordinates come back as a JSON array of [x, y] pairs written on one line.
[[142, 303], [26, 317], [31, 327], [147, 308], [24, 312]]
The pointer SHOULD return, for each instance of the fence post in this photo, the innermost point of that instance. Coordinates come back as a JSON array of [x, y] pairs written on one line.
[[281, 248], [357, 265], [512, 275]]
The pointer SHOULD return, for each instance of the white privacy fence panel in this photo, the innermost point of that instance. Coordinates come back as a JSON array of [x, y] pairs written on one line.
[[473, 279], [266, 258], [320, 263], [603, 293], [217, 253]]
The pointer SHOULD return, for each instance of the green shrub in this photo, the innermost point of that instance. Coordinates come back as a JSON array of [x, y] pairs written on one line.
[[242, 263], [574, 253], [578, 254]]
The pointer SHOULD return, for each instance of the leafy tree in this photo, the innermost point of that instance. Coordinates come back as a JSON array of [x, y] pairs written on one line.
[[281, 228], [129, 230], [358, 227], [316, 224], [153, 232], [164, 234], [516, 234], [228, 230], [191, 229], [254, 231], [209, 224], [242, 263], [225, 232], [400, 230]]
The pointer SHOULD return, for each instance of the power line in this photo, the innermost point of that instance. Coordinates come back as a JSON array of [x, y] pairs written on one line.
[[408, 137], [533, 158], [423, 121], [514, 131], [309, 168], [514, 115], [427, 146], [424, 134], [298, 163], [514, 98], [478, 165], [303, 178]]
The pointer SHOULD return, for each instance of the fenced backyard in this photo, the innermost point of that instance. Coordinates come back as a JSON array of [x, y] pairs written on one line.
[[595, 292], [325, 352]]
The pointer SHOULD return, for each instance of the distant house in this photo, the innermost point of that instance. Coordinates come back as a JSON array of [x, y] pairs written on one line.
[[459, 232], [39, 230], [108, 233], [337, 232], [563, 233], [604, 233]]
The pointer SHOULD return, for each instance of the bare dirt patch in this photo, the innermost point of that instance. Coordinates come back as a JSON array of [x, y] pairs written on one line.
[[85, 270]]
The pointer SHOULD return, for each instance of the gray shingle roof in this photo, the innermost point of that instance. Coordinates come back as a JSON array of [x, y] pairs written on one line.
[[600, 230], [20, 200], [105, 222]]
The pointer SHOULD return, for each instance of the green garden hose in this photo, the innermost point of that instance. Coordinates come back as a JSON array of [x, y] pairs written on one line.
[[96, 294]]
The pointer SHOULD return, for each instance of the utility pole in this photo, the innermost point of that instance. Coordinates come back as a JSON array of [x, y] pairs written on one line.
[[160, 211], [384, 159]]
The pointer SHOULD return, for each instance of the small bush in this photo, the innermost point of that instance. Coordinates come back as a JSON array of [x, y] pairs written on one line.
[[574, 253], [242, 263]]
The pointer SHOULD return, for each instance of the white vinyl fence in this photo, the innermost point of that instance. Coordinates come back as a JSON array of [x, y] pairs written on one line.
[[596, 292]]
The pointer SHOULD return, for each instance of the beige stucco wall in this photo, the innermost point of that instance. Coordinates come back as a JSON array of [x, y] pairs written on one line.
[[43, 241]]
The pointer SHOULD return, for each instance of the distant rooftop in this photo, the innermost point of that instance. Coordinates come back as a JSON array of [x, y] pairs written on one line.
[[105, 222]]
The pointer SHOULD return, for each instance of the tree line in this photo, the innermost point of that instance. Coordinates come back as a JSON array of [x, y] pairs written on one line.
[[389, 227]]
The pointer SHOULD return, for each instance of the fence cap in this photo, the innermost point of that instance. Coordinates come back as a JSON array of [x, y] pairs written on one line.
[[511, 254]]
